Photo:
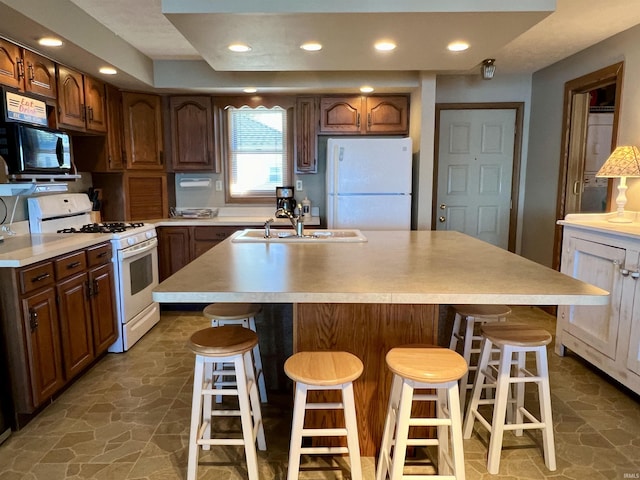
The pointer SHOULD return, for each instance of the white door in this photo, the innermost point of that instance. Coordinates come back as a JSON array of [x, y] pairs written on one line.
[[475, 165]]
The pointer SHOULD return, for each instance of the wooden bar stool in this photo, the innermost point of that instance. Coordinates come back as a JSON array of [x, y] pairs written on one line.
[[465, 330], [230, 345], [323, 371], [423, 367], [512, 339], [243, 314]]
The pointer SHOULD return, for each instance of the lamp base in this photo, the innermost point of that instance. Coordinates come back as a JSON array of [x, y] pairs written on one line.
[[620, 220]]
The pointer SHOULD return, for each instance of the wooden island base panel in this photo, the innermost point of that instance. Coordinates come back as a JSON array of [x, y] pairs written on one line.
[[368, 331]]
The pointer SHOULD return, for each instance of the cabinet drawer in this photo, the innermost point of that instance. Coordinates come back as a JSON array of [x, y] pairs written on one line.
[[34, 277], [214, 233], [99, 254], [70, 264]]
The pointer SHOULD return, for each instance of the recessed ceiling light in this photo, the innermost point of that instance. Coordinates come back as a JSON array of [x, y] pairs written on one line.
[[50, 42], [239, 47], [385, 46], [311, 46], [366, 89], [457, 46], [108, 70], [250, 90]]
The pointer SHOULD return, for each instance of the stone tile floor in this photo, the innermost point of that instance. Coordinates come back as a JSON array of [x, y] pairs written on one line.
[[127, 418]]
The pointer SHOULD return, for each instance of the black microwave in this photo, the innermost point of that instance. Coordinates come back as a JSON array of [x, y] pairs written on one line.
[[35, 152]]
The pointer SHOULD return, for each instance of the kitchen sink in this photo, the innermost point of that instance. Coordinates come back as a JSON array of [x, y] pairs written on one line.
[[310, 236]]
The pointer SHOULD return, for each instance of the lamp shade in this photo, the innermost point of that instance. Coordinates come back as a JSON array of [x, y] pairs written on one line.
[[623, 162]]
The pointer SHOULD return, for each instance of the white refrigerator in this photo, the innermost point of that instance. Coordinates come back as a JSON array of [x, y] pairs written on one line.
[[369, 183]]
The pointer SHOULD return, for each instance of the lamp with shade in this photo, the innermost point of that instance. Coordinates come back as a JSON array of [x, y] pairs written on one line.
[[622, 163]]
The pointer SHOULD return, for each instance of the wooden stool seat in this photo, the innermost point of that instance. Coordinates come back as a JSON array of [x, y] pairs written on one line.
[[516, 334], [244, 315], [231, 311], [506, 375], [465, 329], [416, 368], [426, 364], [222, 341], [232, 346], [323, 368], [324, 371]]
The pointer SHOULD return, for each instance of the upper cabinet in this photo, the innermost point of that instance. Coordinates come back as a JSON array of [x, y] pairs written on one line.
[[26, 71], [376, 114], [192, 145], [115, 153], [307, 110], [81, 101], [142, 116]]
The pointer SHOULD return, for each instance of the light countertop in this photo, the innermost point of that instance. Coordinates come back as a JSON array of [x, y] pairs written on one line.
[[391, 267], [227, 221], [21, 250], [600, 222]]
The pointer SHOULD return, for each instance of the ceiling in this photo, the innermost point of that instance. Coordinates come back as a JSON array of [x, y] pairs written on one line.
[[182, 44]]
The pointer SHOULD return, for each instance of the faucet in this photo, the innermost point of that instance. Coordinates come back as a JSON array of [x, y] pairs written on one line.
[[267, 228], [296, 220]]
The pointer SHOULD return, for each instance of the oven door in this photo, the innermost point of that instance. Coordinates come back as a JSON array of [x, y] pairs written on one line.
[[139, 267]]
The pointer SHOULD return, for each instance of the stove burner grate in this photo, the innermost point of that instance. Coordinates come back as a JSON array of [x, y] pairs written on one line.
[[106, 227]]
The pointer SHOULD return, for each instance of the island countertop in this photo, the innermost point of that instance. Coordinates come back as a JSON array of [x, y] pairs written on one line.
[[399, 267]]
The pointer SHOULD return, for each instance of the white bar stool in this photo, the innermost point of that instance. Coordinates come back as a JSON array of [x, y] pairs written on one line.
[[231, 345], [323, 371], [423, 367], [243, 314], [464, 330], [512, 339]]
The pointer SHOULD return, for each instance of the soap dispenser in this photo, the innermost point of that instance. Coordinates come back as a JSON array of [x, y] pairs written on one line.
[[306, 209]]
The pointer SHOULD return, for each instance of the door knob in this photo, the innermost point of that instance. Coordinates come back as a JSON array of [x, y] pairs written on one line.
[[441, 219], [443, 206]]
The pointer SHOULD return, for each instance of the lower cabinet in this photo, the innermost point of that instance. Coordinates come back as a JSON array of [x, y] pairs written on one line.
[[58, 316], [608, 336], [177, 246]]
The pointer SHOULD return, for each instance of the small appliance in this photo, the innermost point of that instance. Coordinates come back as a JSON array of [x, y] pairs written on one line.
[[285, 200]]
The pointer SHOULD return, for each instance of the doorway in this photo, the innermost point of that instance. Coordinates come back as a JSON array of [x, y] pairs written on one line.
[[590, 124], [477, 170]]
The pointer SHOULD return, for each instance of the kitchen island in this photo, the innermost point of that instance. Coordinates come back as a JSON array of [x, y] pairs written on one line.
[[368, 297]]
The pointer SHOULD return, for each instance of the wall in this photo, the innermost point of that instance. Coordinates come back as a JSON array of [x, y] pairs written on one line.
[[502, 88], [546, 134]]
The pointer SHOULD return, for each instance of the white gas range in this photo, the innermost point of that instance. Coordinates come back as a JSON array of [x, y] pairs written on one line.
[[135, 258]]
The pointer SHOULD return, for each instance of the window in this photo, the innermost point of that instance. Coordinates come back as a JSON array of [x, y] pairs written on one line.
[[257, 152]]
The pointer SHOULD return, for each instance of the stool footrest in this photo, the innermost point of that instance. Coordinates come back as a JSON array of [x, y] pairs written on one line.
[[423, 442], [324, 406], [323, 450], [221, 441], [324, 432], [429, 422]]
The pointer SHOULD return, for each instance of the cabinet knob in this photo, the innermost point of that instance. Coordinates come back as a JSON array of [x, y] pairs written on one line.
[[635, 275], [624, 272]]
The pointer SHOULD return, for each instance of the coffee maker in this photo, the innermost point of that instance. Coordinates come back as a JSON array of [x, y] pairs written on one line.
[[285, 201]]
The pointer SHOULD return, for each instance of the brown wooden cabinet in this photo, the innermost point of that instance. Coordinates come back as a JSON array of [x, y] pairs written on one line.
[[81, 101], [142, 116], [307, 119], [57, 316], [26, 71], [115, 153], [192, 146], [177, 246], [376, 114]]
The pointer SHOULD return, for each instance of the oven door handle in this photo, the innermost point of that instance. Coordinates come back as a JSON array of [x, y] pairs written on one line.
[[134, 250]]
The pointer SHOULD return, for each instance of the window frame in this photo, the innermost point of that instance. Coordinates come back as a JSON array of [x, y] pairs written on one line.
[[220, 109]]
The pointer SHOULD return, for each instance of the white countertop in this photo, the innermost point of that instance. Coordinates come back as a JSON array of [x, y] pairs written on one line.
[[250, 216], [21, 250], [600, 222], [391, 267]]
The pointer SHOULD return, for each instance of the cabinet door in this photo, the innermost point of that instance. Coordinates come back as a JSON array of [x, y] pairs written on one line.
[[205, 238], [11, 66], [599, 265], [307, 134], [387, 115], [146, 195], [103, 307], [40, 75], [174, 249], [71, 111], [142, 131], [75, 324], [633, 308], [192, 134], [340, 114], [94, 96], [43, 347], [116, 156]]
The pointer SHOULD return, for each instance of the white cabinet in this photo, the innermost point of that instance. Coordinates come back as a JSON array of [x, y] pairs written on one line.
[[607, 336]]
